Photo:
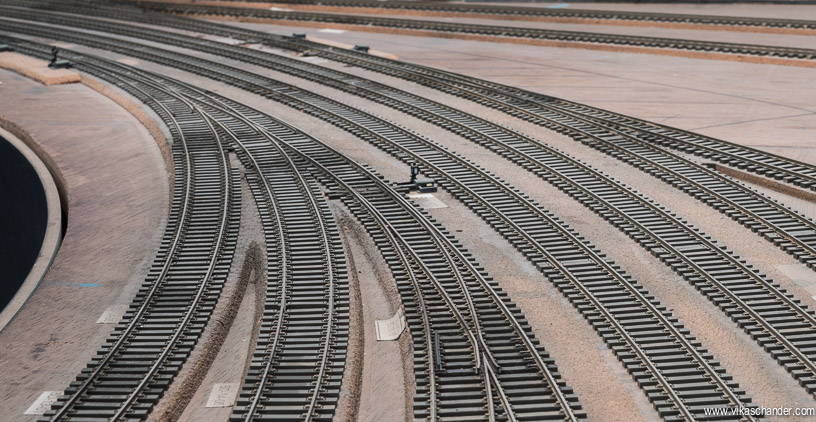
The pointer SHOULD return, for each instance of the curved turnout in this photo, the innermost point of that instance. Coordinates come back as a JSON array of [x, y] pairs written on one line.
[[704, 263], [473, 366], [472, 348], [487, 195]]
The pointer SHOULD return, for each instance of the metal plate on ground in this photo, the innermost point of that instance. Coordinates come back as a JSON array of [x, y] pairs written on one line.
[[112, 315], [427, 200], [223, 395], [391, 328], [43, 403]]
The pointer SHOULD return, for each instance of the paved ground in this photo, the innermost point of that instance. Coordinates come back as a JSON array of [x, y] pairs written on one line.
[[118, 200]]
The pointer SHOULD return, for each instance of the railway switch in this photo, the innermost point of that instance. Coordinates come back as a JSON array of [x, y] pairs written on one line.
[[418, 185], [56, 62]]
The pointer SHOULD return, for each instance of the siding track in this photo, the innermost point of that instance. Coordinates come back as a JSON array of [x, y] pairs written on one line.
[[735, 286], [480, 381], [487, 30], [148, 347], [593, 16], [680, 377], [460, 322]]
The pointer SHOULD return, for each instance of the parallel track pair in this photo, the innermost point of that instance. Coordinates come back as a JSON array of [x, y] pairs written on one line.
[[701, 261], [442, 27], [570, 14], [576, 268]]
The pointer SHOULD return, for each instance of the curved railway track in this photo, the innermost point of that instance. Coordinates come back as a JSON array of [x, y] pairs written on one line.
[[699, 260], [778, 224], [481, 202], [316, 327], [518, 103], [156, 335], [591, 16], [487, 30], [298, 363], [509, 333], [502, 97], [439, 272], [498, 96], [575, 267]]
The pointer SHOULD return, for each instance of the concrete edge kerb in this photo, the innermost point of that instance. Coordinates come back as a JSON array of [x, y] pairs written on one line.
[[54, 226]]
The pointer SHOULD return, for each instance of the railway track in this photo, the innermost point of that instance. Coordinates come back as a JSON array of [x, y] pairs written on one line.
[[513, 101], [305, 317], [570, 15], [363, 22], [576, 267], [298, 363], [507, 379], [147, 348], [778, 224], [442, 276], [690, 253], [501, 97]]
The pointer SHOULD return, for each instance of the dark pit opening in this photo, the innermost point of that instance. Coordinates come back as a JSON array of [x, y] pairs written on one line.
[[23, 219]]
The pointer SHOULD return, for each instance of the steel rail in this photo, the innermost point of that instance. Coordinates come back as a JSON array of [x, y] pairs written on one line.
[[440, 236], [564, 271], [398, 239], [571, 13], [284, 253], [803, 174], [169, 258], [484, 354], [506, 98], [212, 120], [326, 246], [211, 268], [298, 69], [704, 364], [794, 174], [692, 351], [479, 346], [768, 202], [417, 216], [490, 30], [784, 298], [135, 320], [330, 271], [193, 306]]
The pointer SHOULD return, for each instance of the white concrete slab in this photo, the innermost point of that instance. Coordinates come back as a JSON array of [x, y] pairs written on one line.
[[391, 328], [223, 395], [112, 314], [427, 200], [43, 403]]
